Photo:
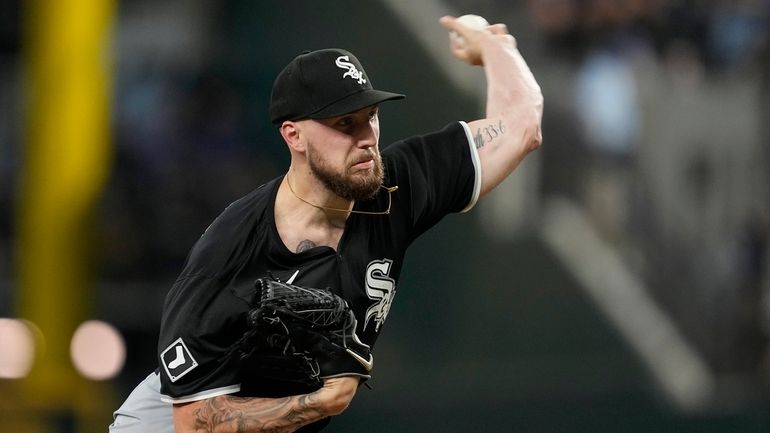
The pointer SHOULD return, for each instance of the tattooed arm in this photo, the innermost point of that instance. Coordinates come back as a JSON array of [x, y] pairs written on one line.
[[514, 109], [226, 413]]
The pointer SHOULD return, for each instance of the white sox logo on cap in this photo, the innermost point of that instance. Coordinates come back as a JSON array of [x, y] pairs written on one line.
[[343, 62]]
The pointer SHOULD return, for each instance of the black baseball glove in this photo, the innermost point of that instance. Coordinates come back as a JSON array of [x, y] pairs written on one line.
[[312, 330]]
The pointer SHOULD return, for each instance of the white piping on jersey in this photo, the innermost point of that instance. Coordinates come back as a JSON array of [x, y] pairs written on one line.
[[202, 395], [476, 166]]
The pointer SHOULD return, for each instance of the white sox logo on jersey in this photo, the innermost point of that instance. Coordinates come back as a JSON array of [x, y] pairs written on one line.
[[177, 360], [352, 72], [381, 288]]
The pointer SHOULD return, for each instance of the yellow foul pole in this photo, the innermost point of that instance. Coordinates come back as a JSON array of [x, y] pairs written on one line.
[[66, 160]]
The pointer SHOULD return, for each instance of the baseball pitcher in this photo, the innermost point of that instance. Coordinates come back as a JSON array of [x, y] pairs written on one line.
[[271, 324]]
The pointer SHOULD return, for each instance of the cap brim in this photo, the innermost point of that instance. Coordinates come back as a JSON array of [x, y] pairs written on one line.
[[355, 102]]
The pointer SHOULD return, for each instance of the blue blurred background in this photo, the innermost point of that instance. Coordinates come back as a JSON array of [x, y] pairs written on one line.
[[619, 281]]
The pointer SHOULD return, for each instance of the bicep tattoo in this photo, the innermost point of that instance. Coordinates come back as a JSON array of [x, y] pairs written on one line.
[[254, 414], [488, 133]]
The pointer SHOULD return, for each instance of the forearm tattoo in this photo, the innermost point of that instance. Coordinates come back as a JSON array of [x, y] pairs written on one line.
[[253, 414], [488, 133]]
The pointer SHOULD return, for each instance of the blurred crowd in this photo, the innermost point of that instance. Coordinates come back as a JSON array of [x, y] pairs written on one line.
[[656, 122]]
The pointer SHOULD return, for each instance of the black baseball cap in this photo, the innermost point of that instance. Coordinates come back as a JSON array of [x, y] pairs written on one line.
[[321, 84]]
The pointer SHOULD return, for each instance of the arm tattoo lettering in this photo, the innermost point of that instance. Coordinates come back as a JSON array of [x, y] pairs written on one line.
[[488, 133], [478, 139], [254, 414], [305, 245]]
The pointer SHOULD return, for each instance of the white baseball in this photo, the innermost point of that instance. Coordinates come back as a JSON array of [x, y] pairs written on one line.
[[475, 22]]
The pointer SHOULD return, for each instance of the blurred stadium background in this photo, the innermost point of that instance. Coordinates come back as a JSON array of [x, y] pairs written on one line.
[[618, 282]]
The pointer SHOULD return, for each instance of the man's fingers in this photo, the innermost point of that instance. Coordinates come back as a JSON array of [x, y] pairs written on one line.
[[498, 29], [449, 22]]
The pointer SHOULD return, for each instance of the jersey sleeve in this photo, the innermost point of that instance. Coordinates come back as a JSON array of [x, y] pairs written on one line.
[[197, 329], [437, 174], [202, 316]]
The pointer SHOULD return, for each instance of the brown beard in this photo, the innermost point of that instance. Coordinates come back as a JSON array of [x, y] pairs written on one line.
[[360, 186]]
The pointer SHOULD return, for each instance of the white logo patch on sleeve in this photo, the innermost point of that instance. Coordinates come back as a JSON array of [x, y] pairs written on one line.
[[177, 360]]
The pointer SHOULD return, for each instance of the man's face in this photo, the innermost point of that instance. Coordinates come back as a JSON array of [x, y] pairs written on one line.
[[343, 154]]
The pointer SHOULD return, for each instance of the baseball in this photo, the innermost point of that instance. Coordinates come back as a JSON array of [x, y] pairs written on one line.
[[475, 22]]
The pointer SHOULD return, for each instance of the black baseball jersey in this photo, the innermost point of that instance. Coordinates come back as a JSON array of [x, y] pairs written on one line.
[[205, 311]]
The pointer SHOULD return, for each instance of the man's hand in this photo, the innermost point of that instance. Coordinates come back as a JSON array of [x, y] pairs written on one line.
[[226, 413], [470, 50]]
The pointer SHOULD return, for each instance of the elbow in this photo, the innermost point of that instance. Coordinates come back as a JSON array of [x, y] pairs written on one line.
[[336, 402], [336, 407], [535, 140], [533, 135]]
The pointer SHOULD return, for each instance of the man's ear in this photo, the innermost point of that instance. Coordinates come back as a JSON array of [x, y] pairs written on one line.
[[291, 134]]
